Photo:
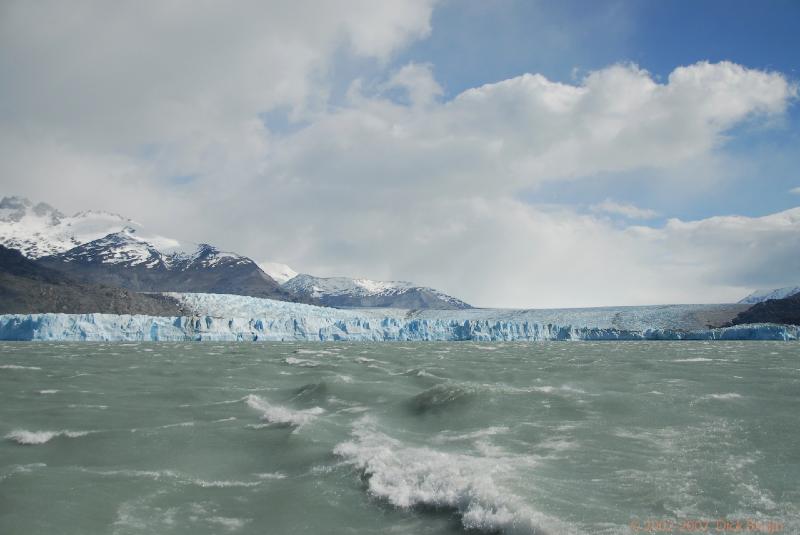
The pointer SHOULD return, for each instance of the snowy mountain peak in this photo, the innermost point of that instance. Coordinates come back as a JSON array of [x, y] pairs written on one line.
[[343, 291], [120, 248], [206, 256], [759, 296], [279, 272], [38, 230]]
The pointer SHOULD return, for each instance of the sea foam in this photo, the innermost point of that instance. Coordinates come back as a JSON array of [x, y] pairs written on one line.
[[276, 414], [407, 476], [32, 438]]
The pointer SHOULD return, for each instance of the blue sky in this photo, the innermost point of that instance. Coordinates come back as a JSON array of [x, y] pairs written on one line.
[[476, 42]]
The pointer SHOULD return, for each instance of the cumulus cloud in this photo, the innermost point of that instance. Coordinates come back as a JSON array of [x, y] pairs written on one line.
[[431, 194], [156, 110]]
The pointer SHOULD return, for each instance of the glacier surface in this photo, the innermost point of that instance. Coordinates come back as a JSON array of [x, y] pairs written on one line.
[[239, 318]]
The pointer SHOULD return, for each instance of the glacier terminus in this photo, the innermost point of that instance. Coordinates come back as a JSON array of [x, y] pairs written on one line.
[[220, 317]]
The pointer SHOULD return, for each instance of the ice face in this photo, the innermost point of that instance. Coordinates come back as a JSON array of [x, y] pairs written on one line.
[[239, 318]]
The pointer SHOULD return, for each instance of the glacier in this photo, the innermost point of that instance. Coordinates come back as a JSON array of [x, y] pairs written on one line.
[[239, 318]]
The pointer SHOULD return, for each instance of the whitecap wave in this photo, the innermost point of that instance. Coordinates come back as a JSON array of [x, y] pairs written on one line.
[[303, 363], [419, 476], [229, 523], [277, 414], [33, 438], [17, 367], [723, 397], [271, 475], [448, 436], [224, 484]]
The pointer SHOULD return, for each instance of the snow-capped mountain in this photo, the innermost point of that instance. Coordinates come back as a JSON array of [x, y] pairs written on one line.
[[39, 229], [346, 292], [759, 296], [279, 272], [127, 260], [123, 248], [105, 248]]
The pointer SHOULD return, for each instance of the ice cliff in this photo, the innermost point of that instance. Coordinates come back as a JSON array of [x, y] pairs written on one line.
[[233, 318]]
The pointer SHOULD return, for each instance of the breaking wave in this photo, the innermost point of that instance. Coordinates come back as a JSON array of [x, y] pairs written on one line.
[[303, 363], [408, 477], [723, 397], [276, 414], [33, 438]]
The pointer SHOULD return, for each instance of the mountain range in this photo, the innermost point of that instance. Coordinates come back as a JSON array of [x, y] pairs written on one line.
[[27, 287], [346, 292], [96, 247], [92, 261]]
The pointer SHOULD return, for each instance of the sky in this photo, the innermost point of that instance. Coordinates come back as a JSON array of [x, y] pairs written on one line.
[[511, 153]]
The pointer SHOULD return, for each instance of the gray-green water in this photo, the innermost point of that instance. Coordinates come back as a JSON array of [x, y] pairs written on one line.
[[415, 438]]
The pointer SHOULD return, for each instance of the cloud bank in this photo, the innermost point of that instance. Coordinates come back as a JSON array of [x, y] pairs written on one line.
[[159, 112]]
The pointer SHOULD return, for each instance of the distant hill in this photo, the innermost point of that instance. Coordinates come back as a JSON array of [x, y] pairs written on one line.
[[26, 287], [347, 292], [786, 311]]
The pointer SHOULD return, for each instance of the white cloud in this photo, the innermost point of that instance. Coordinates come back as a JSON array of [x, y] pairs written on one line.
[[106, 103], [627, 210], [171, 87], [796, 190], [418, 82]]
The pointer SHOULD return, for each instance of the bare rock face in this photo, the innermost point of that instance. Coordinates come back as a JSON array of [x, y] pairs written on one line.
[[784, 311], [26, 287]]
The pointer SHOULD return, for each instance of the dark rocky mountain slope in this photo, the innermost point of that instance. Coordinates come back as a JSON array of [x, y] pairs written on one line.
[[26, 287], [786, 310], [123, 259]]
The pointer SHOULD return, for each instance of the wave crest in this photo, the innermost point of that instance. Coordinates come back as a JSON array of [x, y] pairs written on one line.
[[419, 476], [276, 414], [34, 438]]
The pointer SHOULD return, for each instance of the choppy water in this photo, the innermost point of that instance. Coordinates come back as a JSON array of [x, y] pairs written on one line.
[[416, 438]]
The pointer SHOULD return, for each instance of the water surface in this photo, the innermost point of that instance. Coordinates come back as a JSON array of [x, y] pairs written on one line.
[[403, 438]]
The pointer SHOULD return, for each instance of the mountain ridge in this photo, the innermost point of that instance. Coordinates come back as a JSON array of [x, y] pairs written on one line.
[[367, 293], [122, 259], [27, 287], [107, 248]]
